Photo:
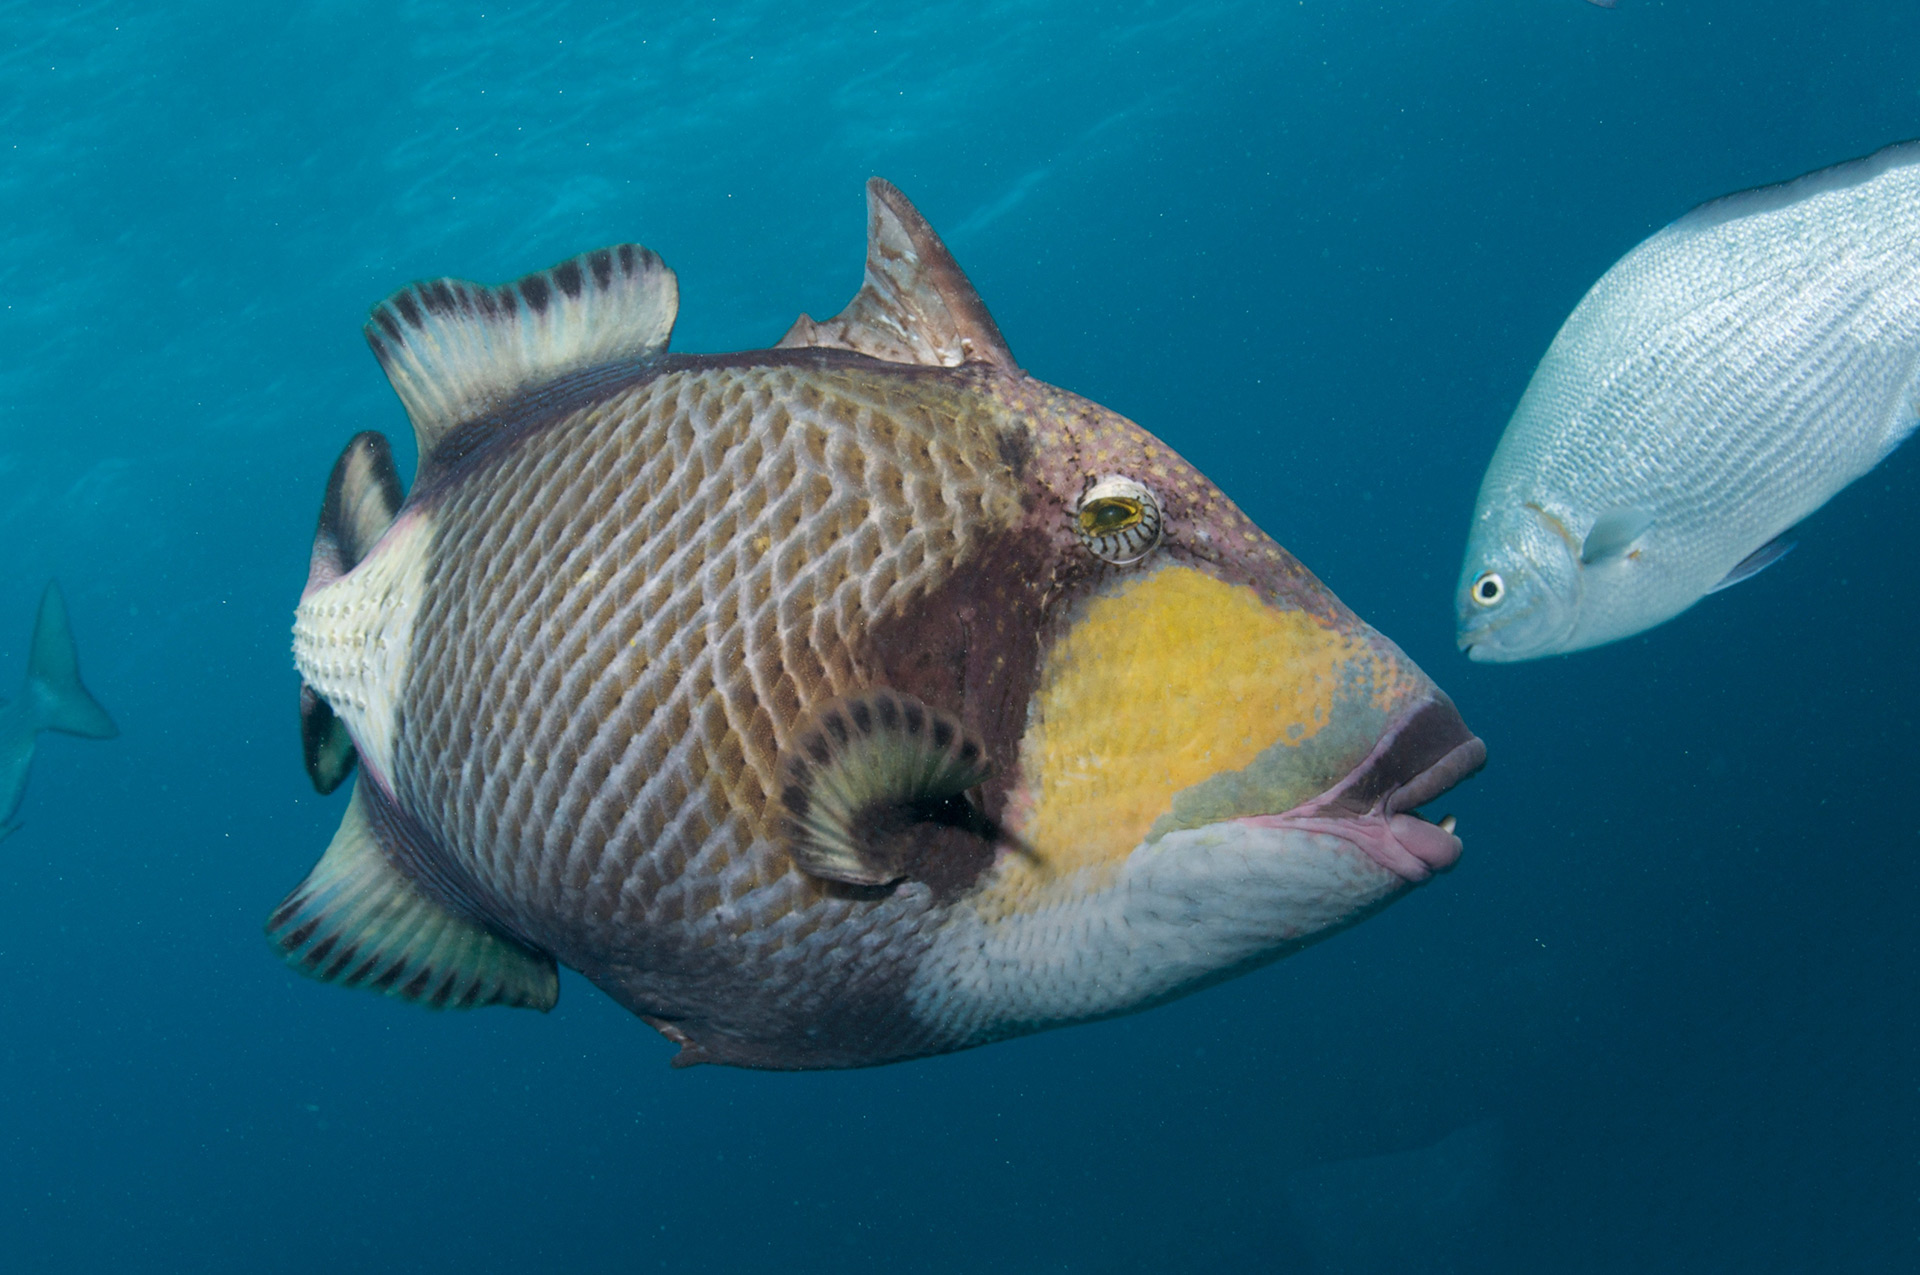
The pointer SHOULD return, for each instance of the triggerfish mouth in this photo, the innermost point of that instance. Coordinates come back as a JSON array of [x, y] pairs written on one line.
[[849, 701]]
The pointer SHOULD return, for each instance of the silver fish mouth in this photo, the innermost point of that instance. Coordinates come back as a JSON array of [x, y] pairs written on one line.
[[1426, 753]]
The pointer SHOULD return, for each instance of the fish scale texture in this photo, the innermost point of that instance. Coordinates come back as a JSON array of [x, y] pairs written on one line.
[[1735, 370], [618, 625]]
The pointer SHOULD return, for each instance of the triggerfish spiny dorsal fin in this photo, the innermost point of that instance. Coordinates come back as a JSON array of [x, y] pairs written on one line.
[[870, 775], [363, 496], [457, 351], [1756, 562], [357, 920], [915, 306], [1613, 534]]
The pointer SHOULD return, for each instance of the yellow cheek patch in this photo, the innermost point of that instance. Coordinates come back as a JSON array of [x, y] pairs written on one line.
[[1171, 679]]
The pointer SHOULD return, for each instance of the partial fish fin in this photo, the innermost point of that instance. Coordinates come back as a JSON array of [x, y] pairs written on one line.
[[915, 306], [59, 701], [1766, 199], [458, 351], [1756, 562], [1613, 533], [357, 920], [363, 497], [872, 776], [325, 742]]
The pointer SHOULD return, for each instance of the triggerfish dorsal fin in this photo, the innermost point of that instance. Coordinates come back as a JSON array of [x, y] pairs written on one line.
[[363, 497], [458, 351], [916, 305], [359, 921]]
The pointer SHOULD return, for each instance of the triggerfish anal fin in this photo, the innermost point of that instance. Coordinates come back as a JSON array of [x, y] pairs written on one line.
[[1756, 562], [457, 351], [359, 921], [363, 497], [1613, 534], [915, 305]]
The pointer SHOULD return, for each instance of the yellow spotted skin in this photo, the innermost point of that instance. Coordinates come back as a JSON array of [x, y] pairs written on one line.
[[1168, 681]]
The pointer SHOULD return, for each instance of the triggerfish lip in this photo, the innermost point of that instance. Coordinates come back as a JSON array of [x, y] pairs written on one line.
[[1427, 751]]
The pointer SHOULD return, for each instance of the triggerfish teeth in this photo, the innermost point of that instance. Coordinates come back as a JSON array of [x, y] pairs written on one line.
[[843, 702], [1428, 754]]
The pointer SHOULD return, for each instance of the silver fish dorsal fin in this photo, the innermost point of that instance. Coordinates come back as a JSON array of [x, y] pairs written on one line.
[[359, 921], [457, 352], [916, 305], [1779, 195]]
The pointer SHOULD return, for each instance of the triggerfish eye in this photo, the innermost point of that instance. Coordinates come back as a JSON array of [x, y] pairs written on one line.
[[1488, 588], [1119, 519]]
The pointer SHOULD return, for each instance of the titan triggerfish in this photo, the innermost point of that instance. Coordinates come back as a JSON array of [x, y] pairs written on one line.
[[1721, 382], [848, 701]]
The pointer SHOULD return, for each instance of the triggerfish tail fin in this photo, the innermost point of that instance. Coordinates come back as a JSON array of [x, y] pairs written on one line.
[[359, 921], [363, 498], [458, 352], [58, 698]]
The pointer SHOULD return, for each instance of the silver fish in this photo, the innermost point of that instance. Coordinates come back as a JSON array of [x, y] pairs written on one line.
[[1720, 383], [53, 698], [843, 702]]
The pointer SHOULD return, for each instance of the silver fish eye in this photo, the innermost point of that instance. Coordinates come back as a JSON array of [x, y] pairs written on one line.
[[1488, 588], [1118, 520]]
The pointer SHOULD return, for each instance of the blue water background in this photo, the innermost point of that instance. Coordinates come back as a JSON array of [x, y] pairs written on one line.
[[1662, 1016]]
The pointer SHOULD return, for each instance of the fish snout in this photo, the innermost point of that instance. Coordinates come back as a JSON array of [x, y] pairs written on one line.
[[1424, 753]]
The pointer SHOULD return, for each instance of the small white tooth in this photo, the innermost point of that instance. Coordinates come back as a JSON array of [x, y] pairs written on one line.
[[1447, 825]]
